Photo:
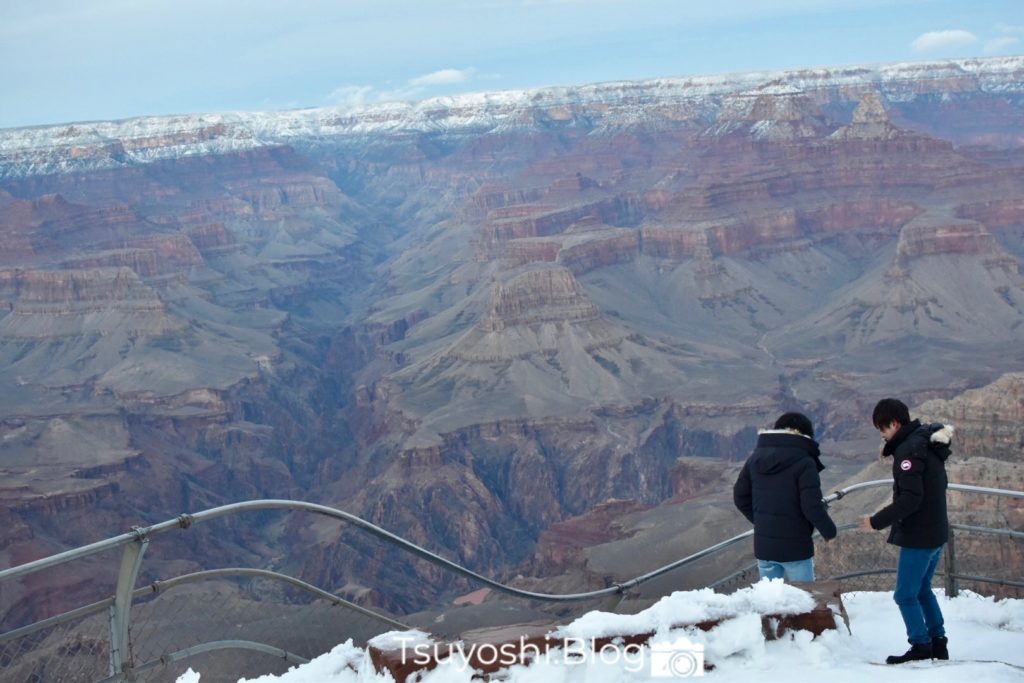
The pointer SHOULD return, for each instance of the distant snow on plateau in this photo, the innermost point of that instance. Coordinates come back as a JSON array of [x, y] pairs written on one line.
[[92, 145]]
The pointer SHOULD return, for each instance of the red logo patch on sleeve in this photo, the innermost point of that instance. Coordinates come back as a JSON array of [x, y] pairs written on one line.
[[906, 465]]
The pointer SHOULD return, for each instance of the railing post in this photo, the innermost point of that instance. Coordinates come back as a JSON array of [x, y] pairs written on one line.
[[952, 587], [121, 611]]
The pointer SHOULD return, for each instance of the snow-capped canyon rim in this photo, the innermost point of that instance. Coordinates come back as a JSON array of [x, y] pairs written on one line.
[[40, 150]]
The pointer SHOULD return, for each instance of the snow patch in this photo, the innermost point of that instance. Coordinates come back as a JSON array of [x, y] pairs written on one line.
[[394, 640], [764, 597], [985, 637]]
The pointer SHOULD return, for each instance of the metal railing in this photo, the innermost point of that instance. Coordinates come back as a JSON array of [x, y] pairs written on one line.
[[950, 574], [128, 659]]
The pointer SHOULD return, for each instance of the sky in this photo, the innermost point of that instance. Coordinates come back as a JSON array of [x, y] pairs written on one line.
[[81, 60]]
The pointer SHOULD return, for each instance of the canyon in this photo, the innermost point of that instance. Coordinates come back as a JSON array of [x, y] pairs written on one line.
[[504, 326]]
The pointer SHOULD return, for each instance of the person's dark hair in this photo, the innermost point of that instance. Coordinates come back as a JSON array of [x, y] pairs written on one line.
[[797, 421], [890, 410]]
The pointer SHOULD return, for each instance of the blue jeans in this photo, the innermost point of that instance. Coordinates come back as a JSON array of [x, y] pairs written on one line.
[[917, 603], [798, 570]]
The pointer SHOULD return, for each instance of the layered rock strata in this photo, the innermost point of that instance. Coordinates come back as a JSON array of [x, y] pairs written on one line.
[[474, 320]]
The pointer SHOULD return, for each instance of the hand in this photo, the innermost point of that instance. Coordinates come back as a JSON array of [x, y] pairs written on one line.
[[865, 524]]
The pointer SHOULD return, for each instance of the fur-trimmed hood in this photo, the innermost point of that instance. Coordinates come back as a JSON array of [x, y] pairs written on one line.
[[783, 431], [778, 449], [942, 435], [936, 436], [940, 440]]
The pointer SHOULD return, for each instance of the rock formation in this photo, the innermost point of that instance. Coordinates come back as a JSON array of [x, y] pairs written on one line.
[[989, 420], [472, 320]]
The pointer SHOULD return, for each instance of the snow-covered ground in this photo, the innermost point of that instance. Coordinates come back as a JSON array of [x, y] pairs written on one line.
[[986, 643]]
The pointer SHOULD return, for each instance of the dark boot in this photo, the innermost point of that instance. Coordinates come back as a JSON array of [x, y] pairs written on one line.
[[939, 647], [917, 652]]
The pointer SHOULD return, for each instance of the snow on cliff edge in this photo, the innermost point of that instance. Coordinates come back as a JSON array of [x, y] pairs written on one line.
[[985, 639], [106, 144]]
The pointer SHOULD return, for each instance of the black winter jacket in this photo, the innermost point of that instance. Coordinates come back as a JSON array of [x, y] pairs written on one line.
[[918, 510], [779, 491]]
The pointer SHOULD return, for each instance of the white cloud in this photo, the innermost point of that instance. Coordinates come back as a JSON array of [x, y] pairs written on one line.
[[516, 4], [443, 77], [413, 89], [352, 94], [1001, 44], [359, 95], [943, 40]]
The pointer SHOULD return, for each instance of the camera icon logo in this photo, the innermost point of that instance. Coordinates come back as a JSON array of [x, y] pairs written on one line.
[[677, 659]]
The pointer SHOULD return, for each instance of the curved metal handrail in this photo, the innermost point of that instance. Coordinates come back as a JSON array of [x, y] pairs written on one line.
[[985, 530], [135, 542], [167, 584], [711, 550], [967, 488], [187, 520], [77, 613], [963, 577], [863, 572], [989, 579], [187, 652], [161, 586], [986, 490], [838, 494]]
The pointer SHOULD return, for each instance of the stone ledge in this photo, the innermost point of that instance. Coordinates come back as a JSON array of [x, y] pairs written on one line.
[[519, 642]]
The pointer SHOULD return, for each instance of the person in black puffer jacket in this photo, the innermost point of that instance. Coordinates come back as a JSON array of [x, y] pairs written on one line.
[[779, 490], [918, 521]]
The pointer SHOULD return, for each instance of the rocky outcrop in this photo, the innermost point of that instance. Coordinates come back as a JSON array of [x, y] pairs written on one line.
[[676, 244], [961, 238], [149, 257], [989, 420], [876, 214], [275, 197], [589, 251], [540, 221], [66, 287], [772, 113], [742, 235], [767, 233], [541, 349], [490, 198], [538, 296], [182, 137], [870, 121], [54, 466], [384, 334], [41, 227], [525, 250], [212, 239], [47, 305], [996, 213], [561, 545]]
